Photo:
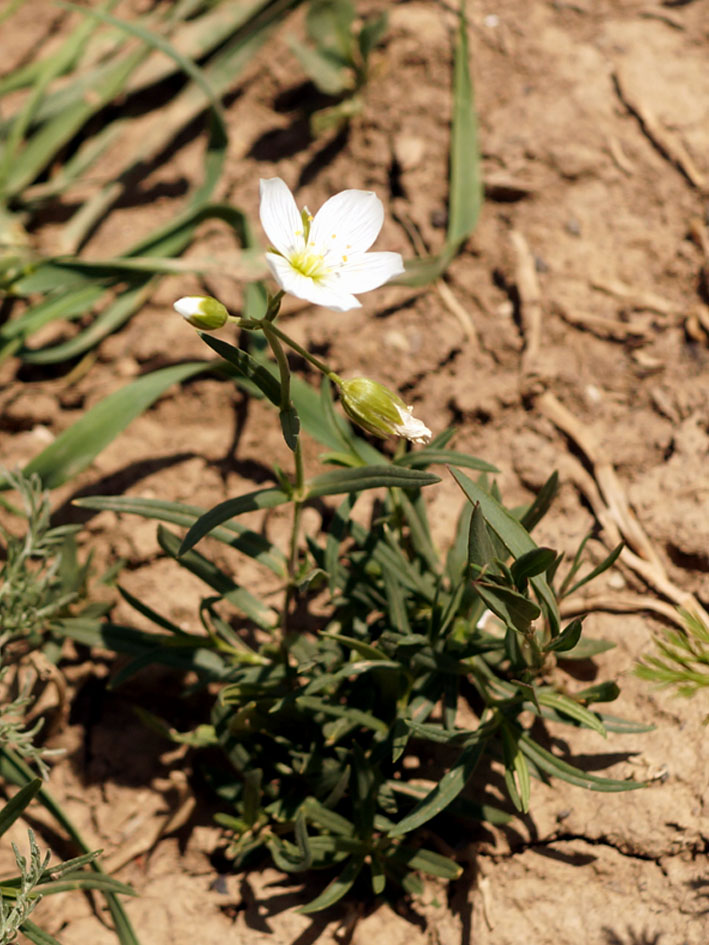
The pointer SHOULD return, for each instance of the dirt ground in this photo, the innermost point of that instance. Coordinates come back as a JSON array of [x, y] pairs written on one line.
[[594, 123]]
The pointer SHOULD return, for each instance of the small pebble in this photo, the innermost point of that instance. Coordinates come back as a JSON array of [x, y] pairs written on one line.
[[439, 218]]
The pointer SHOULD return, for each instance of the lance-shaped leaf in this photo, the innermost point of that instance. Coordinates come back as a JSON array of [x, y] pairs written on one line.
[[545, 761], [447, 789], [75, 448], [250, 543], [337, 888], [338, 481], [239, 597], [514, 537], [250, 502]]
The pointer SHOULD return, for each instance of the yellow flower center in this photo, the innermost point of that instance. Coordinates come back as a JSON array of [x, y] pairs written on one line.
[[309, 263]]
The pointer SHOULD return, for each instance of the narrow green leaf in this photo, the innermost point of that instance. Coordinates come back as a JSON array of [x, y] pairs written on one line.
[[17, 804], [426, 861], [74, 450], [530, 564], [249, 502], [420, 459], [514, 609], [338, 481], [599, 569], [447, 789], [587, 648], [246, 365], [601, 692], [290, 426], [539, 508], [465, 194], [480, 549], [113, 316], [328, 819], [569, 707], [81, 879], [37, 935], [554, 766], [365, 650], [567, 639], [513, 536], [356, 716], [251, 543], [337, 888]]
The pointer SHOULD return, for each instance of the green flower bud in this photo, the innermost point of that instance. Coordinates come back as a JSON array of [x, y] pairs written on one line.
[[380, 411], [202, 311]]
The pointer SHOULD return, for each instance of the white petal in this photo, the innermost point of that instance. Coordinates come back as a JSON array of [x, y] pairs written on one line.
[[189, 305], [366, 271], [347, 223], [280, 216], [303, 287], [412, 428]]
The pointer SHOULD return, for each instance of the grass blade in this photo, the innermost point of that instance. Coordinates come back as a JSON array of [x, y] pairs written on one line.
[[76, 448]]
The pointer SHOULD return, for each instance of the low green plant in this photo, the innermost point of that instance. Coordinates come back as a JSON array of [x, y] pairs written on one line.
[[351, 724], [337, 58], [330, 722], [681, 659], [358, 714], [41, 585], [60, 117], [36, 878], [40, 577]]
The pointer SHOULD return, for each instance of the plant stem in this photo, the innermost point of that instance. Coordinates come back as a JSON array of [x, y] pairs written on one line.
[[304, 353], [282, 360]]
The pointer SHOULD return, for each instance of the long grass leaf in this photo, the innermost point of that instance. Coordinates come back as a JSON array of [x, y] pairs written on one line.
[[545, 761], [250, 543], [14, 769], [17, 804], [465, 188], [250, 502], [75, 448]]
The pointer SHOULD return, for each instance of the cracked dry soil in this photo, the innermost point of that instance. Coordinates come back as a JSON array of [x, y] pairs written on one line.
[[571, 97]]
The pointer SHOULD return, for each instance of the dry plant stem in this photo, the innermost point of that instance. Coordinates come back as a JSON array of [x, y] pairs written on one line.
[[530, 299], [610, 506], [636, 298], [667, 143], [602, 327], [619, 604]]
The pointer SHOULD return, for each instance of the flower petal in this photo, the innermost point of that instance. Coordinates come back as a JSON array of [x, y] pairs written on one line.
[[280, 216], [329, 295], [347, 223], [411, 427], [366, 271]]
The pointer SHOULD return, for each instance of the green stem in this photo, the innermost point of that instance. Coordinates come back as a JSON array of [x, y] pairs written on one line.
[[282, 361], [304, 353]]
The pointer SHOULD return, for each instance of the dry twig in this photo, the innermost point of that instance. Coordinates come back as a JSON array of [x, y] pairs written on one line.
[[606, 496], [530, 301], [666, 142]]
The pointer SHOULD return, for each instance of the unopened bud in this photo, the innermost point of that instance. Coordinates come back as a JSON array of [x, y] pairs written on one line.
[[202, 311], [380, 411]]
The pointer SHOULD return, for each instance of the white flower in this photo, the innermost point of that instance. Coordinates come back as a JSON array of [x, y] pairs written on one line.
[[324, 259]]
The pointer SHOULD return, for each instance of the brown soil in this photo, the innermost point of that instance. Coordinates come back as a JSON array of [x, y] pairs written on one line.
[[612, 220]]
